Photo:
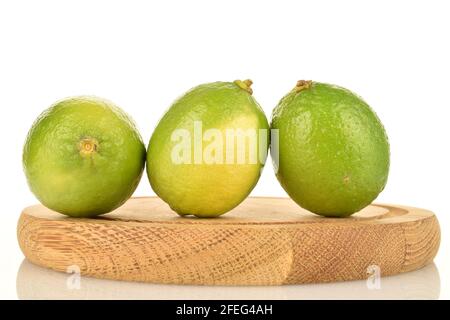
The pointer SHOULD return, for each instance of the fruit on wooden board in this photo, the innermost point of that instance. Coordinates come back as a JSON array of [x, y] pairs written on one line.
[[205, 155], [83, 157], [332, 151]]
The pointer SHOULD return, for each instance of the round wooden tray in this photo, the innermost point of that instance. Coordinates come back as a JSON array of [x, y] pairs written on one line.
[[264, 241]]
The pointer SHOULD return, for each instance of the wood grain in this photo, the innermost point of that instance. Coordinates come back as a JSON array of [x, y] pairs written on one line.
[[264, 241]]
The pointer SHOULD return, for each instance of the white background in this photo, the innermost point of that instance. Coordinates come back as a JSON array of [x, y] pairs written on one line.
[[143, 54]]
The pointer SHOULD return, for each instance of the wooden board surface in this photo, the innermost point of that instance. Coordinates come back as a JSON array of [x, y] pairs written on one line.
[[264, 241]]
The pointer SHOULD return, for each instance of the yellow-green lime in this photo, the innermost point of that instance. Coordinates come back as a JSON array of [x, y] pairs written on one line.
[[200, 158], [83, 157], [333, 151]]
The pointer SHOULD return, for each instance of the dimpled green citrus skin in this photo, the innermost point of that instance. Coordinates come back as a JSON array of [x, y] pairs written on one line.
[[333, 150], [81, 184], [204, 190]]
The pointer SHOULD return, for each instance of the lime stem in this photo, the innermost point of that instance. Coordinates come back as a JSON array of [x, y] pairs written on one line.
[[87, 146], [246, 85], [302, 85]]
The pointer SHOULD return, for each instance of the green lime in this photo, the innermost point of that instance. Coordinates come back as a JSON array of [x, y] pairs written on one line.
[[207, 152], [83, 157], [333, 152]]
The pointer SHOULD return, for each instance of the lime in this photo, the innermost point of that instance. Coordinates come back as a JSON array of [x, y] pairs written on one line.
[[333, 152], [207, 152], [83, 157]]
